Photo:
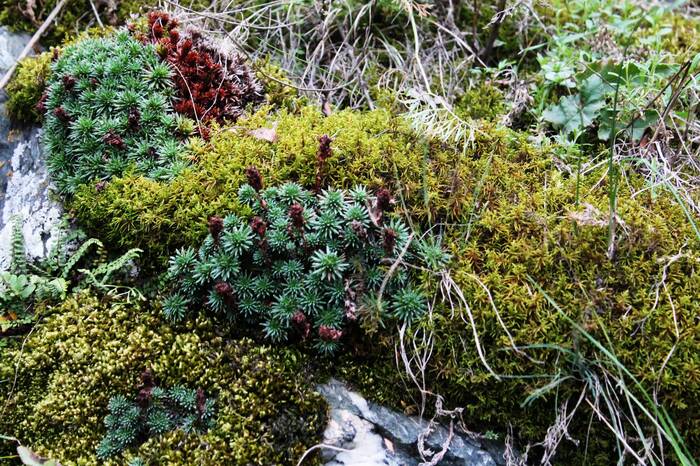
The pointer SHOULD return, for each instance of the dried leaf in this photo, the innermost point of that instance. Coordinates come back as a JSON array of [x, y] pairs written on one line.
[[266, 134], [326, 108], [30, 458]]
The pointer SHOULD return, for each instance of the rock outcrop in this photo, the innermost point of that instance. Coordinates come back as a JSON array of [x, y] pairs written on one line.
[[24, 181], [361, 433]]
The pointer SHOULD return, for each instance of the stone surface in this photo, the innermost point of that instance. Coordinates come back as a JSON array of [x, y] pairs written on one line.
[[361, 433], [24, 182]]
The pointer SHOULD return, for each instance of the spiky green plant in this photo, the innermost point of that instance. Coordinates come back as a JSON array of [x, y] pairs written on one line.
[[155, 411], [108, 109], [408, 304], [301, 264], [432, 254]]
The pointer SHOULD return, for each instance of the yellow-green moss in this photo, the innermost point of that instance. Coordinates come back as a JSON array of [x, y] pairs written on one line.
[[26, 88], [87, 351], [509, 213], [529, 225], [372, 148], [278, 88], [527, 229], [684, 38], [482, 101]]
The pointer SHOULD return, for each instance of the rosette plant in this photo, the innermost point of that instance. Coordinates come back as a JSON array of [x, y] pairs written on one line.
[[108, 108], [302, 264]]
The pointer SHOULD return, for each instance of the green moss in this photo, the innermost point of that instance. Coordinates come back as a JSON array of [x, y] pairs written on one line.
[[508, 213], [26, 88], [527, 228], [278, 89], [86, 351], [482, 101], [684, 38]]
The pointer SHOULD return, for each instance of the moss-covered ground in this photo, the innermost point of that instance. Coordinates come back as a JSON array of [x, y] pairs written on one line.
[[573, 276]]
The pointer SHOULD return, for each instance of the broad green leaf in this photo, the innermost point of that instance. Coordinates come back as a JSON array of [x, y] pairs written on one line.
[[593, 89], [571, 114]]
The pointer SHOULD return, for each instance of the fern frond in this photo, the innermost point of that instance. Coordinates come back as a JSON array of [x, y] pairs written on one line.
[[18, 257], [79, 254], [106, 270]]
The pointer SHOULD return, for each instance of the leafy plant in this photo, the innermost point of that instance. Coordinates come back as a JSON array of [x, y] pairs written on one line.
[[19, 288], [301, 262], [108, 110], [154, 411], [578, 111], [53, 278], [602, 48]]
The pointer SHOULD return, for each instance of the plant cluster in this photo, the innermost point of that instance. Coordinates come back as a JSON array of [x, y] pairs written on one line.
[[25, 284], [619, 66], [88, 349], [108, 110], [154, 411], [303, 263], [210, 84]]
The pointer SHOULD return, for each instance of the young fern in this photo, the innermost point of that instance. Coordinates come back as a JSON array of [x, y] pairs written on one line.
[[105, 271], [18, 257]]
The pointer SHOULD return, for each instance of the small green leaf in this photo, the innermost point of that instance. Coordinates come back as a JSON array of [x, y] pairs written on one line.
[[634, 130], [27, 291]]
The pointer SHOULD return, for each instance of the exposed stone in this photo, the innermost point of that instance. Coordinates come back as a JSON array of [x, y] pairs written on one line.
[[363, 433], [24, 181]]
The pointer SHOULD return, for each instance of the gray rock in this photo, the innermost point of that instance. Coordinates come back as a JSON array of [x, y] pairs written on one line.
[[364, 433], [24, 181], [11, 46]]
